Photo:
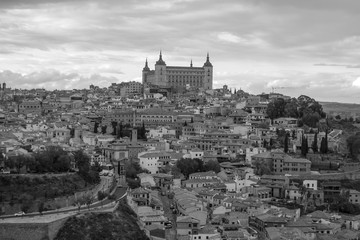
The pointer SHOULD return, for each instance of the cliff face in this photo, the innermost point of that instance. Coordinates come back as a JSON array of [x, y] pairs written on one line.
[[118, 225]]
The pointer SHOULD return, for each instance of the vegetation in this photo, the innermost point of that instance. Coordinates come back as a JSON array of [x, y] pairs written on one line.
[[54, 159], [342, 204], [89, 173], [263, 167], [188, 166], [21, 189], [132, 169], [90, 226], [353, 144], [304, 108]]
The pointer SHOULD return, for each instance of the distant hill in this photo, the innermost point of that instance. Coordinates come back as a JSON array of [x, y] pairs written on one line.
[[340, 107]]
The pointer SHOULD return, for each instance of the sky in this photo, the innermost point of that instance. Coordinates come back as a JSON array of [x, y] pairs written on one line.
[[294, 47]]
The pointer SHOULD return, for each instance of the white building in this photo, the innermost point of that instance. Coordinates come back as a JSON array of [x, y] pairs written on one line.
[[152, 161]]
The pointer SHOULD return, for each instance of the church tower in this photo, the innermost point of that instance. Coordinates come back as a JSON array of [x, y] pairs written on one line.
[[145, 71], [160, 72], [208, 78]]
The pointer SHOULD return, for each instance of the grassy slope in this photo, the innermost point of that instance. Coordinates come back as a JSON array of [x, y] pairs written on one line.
[[106, 226]]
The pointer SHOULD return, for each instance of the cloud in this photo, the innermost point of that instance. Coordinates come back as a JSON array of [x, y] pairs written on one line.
[[356, 83], [52, 79], [336, 65], [228, 37], [258, 44]]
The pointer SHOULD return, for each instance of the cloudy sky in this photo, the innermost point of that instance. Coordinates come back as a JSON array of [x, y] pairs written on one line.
[[307, 47]]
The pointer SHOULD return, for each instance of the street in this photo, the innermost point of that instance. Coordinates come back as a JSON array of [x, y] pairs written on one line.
[[170, 234]]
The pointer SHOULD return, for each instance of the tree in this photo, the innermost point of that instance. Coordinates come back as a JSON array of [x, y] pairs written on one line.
[[304, 146], [276, 108], [82, 162], [326, 142], [315, 144], [41, 207], [262, 167], [88, 200], [114, 125], [188, 166], [96, 125], [291, 109], [120, 132], [286, 143], [353, 145], [103, 129], [79, 202], [212, 166]]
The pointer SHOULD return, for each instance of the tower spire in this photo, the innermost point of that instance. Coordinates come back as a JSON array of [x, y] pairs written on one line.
[[207, 63], [191, 63], [146, 68], [160, 61]]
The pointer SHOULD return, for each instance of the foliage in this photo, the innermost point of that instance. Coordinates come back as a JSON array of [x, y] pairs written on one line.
[[188, 166], [324, 144], [88, 200], [276, 108], [304, 146], [120, 225], [315, 144], [20, 189], [103, 129], [41, 207], [101, 195], [82, 161], [341, 204], [212, 166], [286, 143], [353, 144], [306, 109], [262, 167], [96, 125], [53, 159], [132, 169], [114, 126]]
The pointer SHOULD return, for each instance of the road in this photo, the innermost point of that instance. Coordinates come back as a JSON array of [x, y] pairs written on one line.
[[170, 234], [119, 193]]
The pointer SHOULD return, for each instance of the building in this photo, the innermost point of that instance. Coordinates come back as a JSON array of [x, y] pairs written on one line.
[[179, 77], [30, 107], [126, 89], [281, 163]]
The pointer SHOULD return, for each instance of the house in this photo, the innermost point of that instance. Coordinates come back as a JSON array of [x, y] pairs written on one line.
[[207, 232], [153, 161], [263, 221], [276, 233], [292, 192], [146, 179], [203, 175], [186, 225], [351, 222]]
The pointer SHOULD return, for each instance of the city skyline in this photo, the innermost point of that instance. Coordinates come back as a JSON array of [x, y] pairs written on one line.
[[298, 47]]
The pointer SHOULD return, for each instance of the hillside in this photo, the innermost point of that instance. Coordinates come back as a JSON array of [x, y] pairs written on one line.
[[18, 187], [340, 107], [120, 225], [348, 129]]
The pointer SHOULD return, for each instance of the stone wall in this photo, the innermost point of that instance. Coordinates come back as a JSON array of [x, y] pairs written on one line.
[[33, 231]]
